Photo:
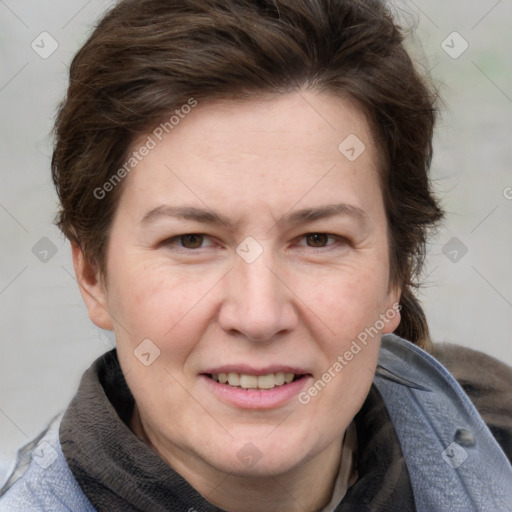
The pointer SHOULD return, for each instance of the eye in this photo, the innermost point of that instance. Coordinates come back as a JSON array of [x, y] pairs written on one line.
[[192, 241], [319, 240], [187, 241]]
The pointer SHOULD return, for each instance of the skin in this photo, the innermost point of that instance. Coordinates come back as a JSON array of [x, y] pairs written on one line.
[[301, 302]]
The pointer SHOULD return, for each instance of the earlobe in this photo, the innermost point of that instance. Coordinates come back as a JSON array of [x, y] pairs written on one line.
[[393, 316], [92, 289], [392, 312]]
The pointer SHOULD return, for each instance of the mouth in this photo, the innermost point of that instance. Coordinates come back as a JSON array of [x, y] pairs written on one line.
[[245, 381], [249, 387]]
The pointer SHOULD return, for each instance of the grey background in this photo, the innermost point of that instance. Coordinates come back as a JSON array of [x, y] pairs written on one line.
[[47, 340]]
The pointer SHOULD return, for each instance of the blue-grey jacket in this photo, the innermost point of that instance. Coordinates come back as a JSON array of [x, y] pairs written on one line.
[[454, 462]]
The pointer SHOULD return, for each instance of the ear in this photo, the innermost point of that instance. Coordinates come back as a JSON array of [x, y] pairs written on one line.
[[393, 308], [92, 289]]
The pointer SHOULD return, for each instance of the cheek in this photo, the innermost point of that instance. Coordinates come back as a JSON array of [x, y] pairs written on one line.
[[172, 308], [348, 305], [153, 297], [345, 300]]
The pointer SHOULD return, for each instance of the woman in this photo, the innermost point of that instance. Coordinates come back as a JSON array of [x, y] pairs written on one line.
[[245, 187]]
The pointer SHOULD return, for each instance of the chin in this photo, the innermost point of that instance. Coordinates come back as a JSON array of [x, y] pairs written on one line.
[[261, 464], [261, 456]]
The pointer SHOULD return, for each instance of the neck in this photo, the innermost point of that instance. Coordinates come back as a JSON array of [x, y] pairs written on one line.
[[307, 488]]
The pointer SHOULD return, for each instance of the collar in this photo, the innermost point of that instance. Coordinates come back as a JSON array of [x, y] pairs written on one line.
[[118, 471], [347, 473]]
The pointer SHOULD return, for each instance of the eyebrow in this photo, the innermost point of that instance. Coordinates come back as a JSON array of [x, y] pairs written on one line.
[[204, 216], [207, 216], [323, 212]]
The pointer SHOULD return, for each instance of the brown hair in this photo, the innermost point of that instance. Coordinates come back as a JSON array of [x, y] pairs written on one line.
[[147, 58]]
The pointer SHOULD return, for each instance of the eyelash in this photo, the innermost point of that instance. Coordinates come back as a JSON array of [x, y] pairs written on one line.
[[176, 239]]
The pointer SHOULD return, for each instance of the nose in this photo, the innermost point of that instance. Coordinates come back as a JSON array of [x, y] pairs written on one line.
[[258, 303]]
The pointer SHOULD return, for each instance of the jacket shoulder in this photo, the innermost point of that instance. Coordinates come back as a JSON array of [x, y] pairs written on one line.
[[41, 480], [487, 382], [453, 459]]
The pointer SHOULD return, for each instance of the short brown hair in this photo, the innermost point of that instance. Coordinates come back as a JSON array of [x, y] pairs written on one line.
[[147, 58]]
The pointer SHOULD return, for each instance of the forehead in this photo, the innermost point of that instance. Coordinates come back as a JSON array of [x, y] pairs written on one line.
[[318, 121], [281, 150]]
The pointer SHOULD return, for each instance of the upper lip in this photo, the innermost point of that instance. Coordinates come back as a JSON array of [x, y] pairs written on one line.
[[245, 369]]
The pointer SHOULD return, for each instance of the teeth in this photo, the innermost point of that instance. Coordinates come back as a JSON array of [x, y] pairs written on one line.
[[234, 379], [252, 381], [248, 381], [266, 381]]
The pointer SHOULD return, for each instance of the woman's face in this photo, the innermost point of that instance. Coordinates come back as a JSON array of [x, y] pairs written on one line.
[[250, 245]]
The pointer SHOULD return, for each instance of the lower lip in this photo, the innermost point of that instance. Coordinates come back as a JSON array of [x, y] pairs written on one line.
[[256, 398]]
